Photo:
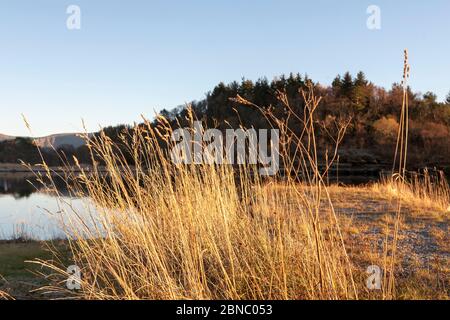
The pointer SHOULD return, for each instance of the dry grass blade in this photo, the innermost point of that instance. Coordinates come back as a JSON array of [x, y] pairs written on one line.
[[166, 231]]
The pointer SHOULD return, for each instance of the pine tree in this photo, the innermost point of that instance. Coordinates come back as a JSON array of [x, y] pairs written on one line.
[[337, 82], [347, 85], [430, 98], [360, 92], [360, 80], [336, 85]]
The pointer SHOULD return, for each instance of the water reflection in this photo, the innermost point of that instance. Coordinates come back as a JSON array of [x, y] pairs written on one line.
[[23, 185], [28, 211]]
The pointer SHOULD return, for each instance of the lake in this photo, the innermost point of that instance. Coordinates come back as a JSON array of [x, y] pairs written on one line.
[[27, 211]]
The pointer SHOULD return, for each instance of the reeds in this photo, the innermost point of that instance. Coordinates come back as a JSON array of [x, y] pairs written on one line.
[[166, 231], [5, 296], [423, 189], [159, 230]]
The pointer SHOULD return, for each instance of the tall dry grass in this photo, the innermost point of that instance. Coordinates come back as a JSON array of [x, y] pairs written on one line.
[[156, 230], [426, 189], [166, 231], [398, 178], [5, 296], [416, 190]]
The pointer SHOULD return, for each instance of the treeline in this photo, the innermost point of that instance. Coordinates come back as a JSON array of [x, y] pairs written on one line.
[[373, 113], [23, 149]]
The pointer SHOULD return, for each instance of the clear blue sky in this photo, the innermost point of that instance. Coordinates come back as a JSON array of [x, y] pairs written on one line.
[[133, 57]]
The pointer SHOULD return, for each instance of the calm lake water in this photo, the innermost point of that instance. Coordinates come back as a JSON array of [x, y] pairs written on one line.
[[27, 211]]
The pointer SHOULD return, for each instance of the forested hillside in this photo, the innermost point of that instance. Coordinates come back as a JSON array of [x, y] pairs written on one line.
[[372, 112]]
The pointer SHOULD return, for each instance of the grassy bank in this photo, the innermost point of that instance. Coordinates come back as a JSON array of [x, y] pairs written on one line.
[[366, 215], [19, 278]]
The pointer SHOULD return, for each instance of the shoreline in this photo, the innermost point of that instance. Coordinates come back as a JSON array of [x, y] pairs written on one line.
[[18, 168], [363, 213]]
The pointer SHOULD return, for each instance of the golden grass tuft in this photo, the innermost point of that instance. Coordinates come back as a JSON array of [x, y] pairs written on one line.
[[418, 190], [166, 231], [163, 231]]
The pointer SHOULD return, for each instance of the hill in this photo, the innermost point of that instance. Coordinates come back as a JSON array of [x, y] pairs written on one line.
[[4, 137], [60, 140], [55, 140]]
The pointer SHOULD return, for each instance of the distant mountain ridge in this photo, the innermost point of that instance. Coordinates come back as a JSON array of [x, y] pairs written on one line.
[[59, 140], [4, 137], [55, 140]]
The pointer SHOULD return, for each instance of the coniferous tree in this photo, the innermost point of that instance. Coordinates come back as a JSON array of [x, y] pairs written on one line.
[[359, 94], [336, 85], [360, 79], [430, 98], [347, 85]]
